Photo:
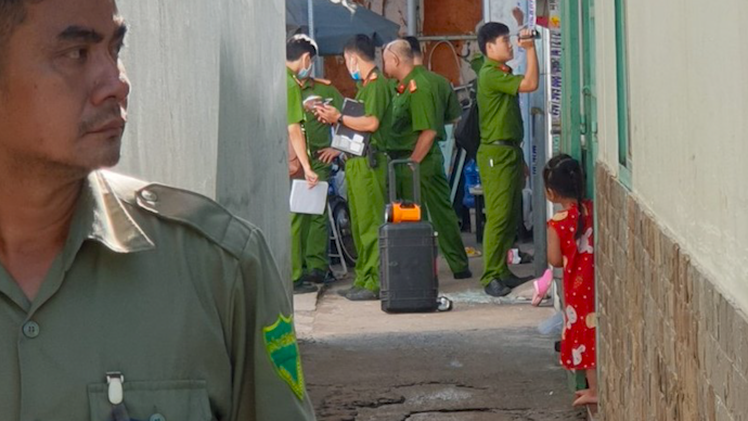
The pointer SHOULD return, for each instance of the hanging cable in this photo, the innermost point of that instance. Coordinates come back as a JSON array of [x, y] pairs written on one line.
[[455, 54]]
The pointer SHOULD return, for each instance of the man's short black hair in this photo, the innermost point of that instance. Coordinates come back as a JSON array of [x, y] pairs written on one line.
[[12, 14], [415, 45], [489, 33], [297, 46], [362, 45]]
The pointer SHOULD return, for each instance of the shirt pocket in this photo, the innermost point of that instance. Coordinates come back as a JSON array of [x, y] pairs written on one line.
[[178, 400]]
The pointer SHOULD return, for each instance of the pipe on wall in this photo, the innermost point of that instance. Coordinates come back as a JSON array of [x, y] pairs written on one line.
[[412, 17], [486, 11]]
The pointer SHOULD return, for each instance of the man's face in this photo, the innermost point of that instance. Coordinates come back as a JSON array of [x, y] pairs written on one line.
[[351, 62], [63, 89], [391, 63], [501, 49]]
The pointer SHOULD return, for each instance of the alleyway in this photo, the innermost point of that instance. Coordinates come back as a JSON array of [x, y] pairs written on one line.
[[485, 360]]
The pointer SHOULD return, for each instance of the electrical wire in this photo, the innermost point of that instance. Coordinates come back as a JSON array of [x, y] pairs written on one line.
[[457, 57]]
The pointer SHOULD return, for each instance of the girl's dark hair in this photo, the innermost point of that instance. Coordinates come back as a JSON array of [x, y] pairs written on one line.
[[564, 176]]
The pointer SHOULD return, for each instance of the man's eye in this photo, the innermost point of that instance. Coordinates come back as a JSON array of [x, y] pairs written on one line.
[[77, 54]]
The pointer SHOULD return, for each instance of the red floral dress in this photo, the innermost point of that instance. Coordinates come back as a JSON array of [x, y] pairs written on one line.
[[578, 340]]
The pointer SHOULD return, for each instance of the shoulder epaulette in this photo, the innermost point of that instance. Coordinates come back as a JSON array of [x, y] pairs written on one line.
[[200, 213]]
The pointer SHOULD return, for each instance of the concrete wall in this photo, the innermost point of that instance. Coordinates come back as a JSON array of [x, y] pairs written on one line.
[[672, 251], [688, 105], [207, 112]]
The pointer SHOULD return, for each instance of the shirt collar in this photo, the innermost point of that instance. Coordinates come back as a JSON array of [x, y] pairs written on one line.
[[403, 86], [307, 83], [371, 77], [291, 74], [498, 65], [102, 217]]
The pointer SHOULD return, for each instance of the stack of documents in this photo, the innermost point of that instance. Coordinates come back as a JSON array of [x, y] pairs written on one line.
[[308, 201]]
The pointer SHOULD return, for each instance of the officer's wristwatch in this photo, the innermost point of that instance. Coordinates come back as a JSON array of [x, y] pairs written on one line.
[[340, 120]]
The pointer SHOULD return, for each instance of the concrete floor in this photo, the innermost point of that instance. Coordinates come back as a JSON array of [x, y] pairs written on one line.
[[485, 360]]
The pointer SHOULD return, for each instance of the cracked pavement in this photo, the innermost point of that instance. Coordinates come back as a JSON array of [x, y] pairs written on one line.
[[483, 361]]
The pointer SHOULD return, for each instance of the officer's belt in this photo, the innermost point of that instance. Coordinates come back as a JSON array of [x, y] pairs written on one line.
[[399, 154], [508, 143]]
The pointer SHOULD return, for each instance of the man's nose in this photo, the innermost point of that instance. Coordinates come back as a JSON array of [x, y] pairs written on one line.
[[111, 83]]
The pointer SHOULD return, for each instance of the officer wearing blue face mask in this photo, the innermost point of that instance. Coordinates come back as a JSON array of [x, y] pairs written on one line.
[[366, 176], [300, 50]]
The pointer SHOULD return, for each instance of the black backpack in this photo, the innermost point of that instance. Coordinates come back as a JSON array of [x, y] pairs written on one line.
[[467, 132]]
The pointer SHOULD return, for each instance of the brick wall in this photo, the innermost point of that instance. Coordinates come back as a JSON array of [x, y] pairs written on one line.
[[671, 346]]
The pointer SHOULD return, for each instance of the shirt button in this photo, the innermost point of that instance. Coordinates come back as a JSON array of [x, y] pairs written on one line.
[[31, 330], [157, 417]]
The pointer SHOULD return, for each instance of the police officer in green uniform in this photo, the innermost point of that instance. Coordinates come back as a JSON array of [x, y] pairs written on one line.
[[448, 103], [120, 300], [300, 50], [500, 157], [309, 233], [366, 176], [417, 121]]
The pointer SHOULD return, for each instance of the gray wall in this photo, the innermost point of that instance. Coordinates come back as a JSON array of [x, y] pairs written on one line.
[[207, 111]]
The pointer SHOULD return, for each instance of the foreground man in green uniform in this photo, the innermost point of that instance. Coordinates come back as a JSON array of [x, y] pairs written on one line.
[[120, 300], [500, 158], [449, 104], [309, 233], [417, 119], [300, 50], [366, 176]]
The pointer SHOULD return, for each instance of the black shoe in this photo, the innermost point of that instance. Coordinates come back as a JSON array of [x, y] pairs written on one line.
[[362, 294], [497, 289], [315, 276], [513, 282], [301, 287], [465, 274]]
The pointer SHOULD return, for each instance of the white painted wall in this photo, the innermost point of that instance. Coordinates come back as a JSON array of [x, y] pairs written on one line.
[[689, 107], [207, 111]]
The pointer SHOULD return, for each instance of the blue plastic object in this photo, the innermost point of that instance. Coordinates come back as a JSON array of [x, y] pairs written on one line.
[[472, 179]]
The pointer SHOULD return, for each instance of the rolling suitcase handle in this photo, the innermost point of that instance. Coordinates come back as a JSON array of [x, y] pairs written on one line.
[[403, 211], [416, 179]]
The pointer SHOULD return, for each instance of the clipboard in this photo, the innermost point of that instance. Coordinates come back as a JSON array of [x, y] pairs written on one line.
[[346, 139]]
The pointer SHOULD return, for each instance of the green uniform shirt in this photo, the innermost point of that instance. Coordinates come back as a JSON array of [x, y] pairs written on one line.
[[414, 109], [498, 104], [448, 104], [167, 288], [376, 95], [295, 108], [319, 135]]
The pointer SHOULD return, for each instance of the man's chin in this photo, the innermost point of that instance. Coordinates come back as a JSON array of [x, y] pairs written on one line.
[[103, 156]]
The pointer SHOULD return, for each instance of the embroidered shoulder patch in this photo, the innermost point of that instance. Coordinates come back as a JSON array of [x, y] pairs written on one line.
[[283, 350]]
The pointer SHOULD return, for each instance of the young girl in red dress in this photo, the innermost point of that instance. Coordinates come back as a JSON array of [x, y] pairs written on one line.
[[571, 246]]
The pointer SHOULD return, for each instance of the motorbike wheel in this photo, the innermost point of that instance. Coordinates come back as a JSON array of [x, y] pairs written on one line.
[[342, 219]]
